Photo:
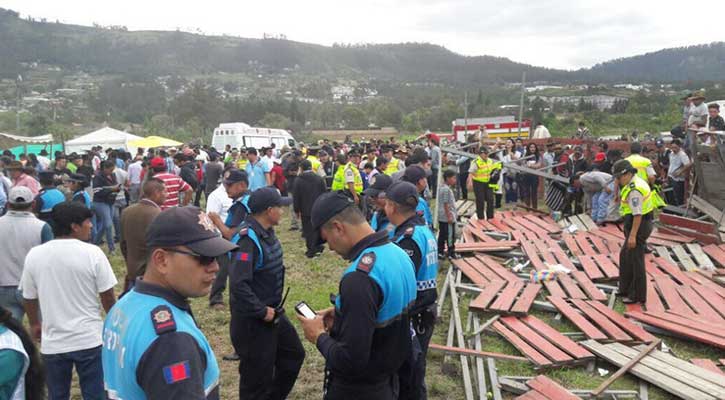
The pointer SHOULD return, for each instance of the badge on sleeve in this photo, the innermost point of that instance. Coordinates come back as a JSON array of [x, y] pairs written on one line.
[[635, 202], [163, 320], [409, 231], [242, 256], [366, 262], [177, 372]]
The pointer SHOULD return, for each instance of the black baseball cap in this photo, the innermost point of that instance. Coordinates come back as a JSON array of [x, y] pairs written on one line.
[[380, 184], [402, 192], [187, 226], [234, 175], [78, 178], [266, 197], [327, 206], [413, 174]]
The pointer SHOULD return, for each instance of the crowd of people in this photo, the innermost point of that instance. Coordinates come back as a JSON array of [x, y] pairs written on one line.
[[368, 201]]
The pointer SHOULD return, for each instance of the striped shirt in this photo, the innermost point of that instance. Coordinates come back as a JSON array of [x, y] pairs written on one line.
[[174, 184]]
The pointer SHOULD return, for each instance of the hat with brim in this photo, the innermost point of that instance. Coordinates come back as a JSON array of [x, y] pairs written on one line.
[[380, 183], [326, 207], [212, 247], [267, 197], [698, 96], [199, 233]]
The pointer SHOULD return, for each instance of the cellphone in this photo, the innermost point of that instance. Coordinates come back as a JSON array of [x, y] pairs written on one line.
[[305, 310]]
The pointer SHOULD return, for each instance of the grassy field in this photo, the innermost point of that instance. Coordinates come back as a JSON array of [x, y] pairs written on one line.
[[313, 281]]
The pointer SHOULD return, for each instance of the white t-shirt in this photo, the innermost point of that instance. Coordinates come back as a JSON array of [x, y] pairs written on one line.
[[219, 202], [66, 276]]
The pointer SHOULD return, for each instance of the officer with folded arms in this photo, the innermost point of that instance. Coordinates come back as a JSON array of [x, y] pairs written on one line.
[[152, 347], [270, 352], [416, 239], [365, 337]]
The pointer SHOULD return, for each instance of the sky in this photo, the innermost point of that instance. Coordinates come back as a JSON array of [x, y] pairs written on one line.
[[567, 34]]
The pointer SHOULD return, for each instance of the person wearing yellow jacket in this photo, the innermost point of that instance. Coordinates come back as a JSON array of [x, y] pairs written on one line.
[[347, 179], [637, 209], [479, 179], [646, 172]]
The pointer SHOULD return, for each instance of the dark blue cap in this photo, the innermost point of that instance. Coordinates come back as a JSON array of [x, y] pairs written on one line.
[[413, 174], [234, 175], [380, 184], [327, 206], [187, 226], [266, 197], [403, 193]]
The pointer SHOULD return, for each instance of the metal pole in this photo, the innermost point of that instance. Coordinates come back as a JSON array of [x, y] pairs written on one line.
[[521, 103], [17, 105], [465, 116]]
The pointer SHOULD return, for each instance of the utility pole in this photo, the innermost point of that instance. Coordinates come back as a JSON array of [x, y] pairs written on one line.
[[17, 104], [465, 116], [521, 103]]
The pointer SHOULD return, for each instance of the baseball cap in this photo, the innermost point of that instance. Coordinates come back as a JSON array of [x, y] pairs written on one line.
[[413, 174], [20, 195], [77, 178], [187, 226], [266, 197], [327, 206], [158, 162], [659, 142], [578, 149], [599, 157], [234, 175], [379, 185], [403, 193], [621, 167]]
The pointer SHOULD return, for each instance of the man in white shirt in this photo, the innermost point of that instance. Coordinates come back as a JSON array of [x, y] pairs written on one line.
[[134, 179], [677, 171], [62, 280], [541, 132], [219, 202]]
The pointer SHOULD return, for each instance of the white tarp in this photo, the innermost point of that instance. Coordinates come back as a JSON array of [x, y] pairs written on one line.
[[29, 139], [105, 137]]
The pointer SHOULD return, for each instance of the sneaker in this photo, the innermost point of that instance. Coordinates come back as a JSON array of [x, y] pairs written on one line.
[[231, 357]]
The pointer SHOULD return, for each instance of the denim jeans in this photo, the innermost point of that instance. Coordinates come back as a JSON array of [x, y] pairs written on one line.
[[12, 300], [600, 204], [104, 219], [117, 221], [59, 368]]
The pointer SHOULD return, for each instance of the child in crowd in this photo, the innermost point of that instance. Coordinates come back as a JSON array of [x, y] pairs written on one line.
[[447, 214]]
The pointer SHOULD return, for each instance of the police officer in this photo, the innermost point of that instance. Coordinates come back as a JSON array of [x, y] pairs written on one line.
[[152, 347], [236, 184], [269, 349], [48, 197], [479, 176], [413, 235], [637, 208], [365, 337], [376, 196], [646, 171], [418, 177], [347, 178]]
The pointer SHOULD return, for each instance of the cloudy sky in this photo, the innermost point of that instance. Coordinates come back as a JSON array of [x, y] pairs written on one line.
[[552, 33]]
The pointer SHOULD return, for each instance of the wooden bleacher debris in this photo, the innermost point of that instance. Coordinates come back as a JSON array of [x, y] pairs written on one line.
[[707, 364], [543, 388], [626, 367]]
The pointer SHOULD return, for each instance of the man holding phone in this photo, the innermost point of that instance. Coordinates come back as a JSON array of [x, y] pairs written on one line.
[[270, 352], [365, 337]]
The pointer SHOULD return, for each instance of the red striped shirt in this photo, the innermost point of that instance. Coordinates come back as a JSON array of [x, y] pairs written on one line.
[[174, 185]]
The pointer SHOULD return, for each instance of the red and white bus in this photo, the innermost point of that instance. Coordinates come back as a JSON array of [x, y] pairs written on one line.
[[495, 127]]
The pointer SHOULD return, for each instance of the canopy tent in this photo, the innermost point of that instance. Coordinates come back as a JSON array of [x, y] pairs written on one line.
[[29, 139], [150, 142], [36, 148], [104, 137]]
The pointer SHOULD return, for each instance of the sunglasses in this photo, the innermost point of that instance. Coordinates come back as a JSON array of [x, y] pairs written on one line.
[[203, 260]]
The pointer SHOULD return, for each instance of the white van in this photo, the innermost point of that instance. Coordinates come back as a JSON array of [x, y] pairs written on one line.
[[239, 135]]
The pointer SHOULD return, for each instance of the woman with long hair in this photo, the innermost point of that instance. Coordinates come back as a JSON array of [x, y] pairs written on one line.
[[21, 372], [510, 186], [530, 181]]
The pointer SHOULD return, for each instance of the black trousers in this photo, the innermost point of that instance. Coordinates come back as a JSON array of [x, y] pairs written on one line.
[[446, 235], [216, 295], [311, 236], [412, 377], [433, 182], [678, 192], [386, 390], [462, 179], [632, 274], [484, 198], [270, 357]]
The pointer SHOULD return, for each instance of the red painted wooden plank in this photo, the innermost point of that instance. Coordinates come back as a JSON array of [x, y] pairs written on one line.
[[693, 322], [531, 252], [486, 225], [608, 237], [673, 270], [571, 287], [716, 253], [467, 235], [608, 265], [555, 289], [609, 327], [707, 364], [634, 307], [715, 301], [613, 230], [518, 227], [482, 236], [682, 222], [698, 304], [577, 319], [545, 252], [528, 295], [571, 244], [518, 236], [653, 301], [482, 269], [554, 336], [551, 228], [550, 389], [561, 256], [668, 290], [714, 287], [692, 235], [585, 283], [590, 267], [634, 330], [539, 343], [689, 332], [532, 395], [500, 226], [581, 240], [599, 245], [528, 351], [470, 272], [506, 297], [651, 268], [497, 268], [532, 227], [489, 292]]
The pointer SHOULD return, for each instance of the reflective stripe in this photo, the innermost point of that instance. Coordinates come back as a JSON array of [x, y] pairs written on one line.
[[483, 170], [393, 167], [641, 186], [425, 285], [641, 164]]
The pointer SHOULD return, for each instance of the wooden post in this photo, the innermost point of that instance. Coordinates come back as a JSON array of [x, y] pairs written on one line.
[[461, 342], [631, 363]]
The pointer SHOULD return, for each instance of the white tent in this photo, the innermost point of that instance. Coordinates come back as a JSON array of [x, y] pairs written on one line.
[[29, 139], [105, 137]]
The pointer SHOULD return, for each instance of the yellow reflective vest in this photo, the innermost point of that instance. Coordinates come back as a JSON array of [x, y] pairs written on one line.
[[483, 170], [641, 186], [393, 167], [641, 164], [338, 181], [315, 163]]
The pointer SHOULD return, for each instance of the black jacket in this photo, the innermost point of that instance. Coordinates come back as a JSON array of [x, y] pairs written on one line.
[[308, 187], [188, 174], [102, 186]]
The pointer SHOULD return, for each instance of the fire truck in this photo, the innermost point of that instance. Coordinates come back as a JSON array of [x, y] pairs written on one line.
[[495, 127]]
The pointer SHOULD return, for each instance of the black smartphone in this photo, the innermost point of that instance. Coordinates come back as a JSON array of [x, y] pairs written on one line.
[[305, 310]]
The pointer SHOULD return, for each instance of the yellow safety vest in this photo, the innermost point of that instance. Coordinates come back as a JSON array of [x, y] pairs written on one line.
[[242, 164], [641, 164], [491, 184], [315, 163], [483, 170], [641, 186], [393, 167], [338, 181]]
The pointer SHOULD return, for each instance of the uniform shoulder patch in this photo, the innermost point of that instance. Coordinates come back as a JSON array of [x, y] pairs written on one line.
[[177, 372], [632, 185], [163, 320], [409, 230], [366, 262], [243, 231], [420, 213]]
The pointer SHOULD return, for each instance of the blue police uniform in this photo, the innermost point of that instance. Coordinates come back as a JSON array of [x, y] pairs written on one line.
[[152, 348], [420, 245], [82, 197], [238, 211], [423, 210], [46, 200], [370, 338], [380, 222]]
